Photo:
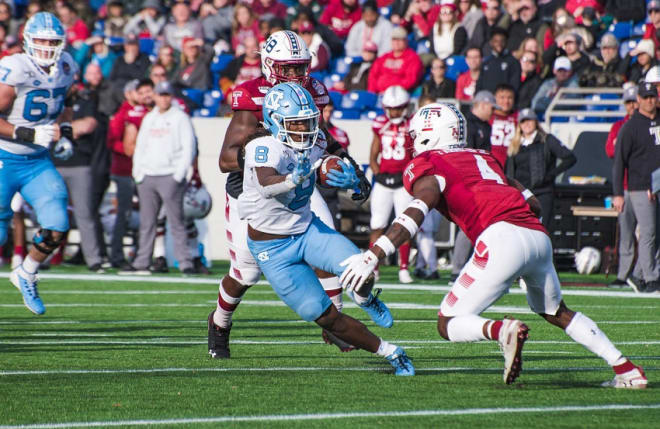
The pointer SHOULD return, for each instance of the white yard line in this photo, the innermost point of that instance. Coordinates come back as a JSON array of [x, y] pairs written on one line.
[[393, 286], [347, 415]]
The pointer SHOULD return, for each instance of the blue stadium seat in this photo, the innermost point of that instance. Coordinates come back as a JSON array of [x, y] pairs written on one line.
[[622, 30], [371, 114], [639, 29], [336, 98], [455, 65], [147, 45], [195, 95], [212, 100], [342, 64], [346, 114], [319, 75], [203, 113], [360, 100], [220, 62], [385, 11]]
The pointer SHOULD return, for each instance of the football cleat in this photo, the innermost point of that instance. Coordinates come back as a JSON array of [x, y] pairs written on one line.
[[513, 335], [330, 338], [218, 339], [27, 284], [633, 379], [401, 362], [404, 277], [378, 311]]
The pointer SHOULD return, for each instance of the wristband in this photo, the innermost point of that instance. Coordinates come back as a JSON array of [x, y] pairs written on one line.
[[23, 133], [66, 129], [385, 245], [408, 223], [419, 205], [527, 194]]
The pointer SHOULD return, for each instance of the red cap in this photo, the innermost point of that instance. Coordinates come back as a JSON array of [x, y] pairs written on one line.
[[306, 26], [194, 41], [370, 46]]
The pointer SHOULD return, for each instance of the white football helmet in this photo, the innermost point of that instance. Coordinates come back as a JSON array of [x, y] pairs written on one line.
[[437, 126], [285, 52], [196, 202], [44, 27], [587, 260], [395, 97]]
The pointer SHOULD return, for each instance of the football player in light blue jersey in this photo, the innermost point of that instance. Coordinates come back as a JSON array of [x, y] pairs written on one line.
[[286, 238], [33, 88]]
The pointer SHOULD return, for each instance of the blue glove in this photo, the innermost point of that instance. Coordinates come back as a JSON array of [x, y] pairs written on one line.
[[302, 169], [346, 179], [63, 149]]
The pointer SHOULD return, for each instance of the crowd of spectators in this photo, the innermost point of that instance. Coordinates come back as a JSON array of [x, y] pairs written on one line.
[[521, 52]]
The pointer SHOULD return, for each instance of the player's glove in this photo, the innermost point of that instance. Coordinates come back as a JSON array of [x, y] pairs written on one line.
[[66, 130], [41, 134], [303, 169], [358, 269], [346, 179], [63, 149], [363, 188]]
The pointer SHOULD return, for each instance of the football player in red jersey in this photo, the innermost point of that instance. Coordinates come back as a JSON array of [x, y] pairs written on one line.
[[391, 150], [503, 122], [284, 58], [499, 216]]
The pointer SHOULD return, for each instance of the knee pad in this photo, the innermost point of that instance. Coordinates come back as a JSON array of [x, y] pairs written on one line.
[[245, 276], [45, 243], [311, 310]]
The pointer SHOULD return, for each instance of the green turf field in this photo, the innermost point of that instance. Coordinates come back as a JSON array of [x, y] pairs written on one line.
[[133, 353]]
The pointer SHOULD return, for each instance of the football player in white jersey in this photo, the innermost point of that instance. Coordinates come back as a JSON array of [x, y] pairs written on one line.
[[286, 238], [33, 89]]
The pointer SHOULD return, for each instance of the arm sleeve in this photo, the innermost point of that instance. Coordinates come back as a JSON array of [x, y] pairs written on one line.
[[619, 166], [186, 136]]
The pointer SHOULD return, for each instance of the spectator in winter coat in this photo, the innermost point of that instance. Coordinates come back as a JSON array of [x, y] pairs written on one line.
[[500, 66], [148, 22], [244, 25], [183, 25], [372, 27], [607, 69], [481, 35], [194, 69], [132, 65], [448, 37], [467, 81], [267, 9], [401, 67], [358, 73], [341, 15], [217, 22], [564, 78], [527, 25], [439, 86], [530, 80], [317, 47], [645, 53]]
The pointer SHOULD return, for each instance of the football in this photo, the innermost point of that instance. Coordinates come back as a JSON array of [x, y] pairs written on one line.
[[330, 162], [587, 260]]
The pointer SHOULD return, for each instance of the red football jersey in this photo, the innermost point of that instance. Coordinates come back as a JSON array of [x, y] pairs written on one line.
[[476, 194], [503, 128], [395, 144], [250, 95], [339, 135]]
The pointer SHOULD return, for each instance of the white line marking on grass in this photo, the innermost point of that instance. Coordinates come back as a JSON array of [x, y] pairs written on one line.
[[168, 341], [348, 415]]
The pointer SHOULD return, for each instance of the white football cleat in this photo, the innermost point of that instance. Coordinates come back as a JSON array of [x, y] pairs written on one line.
[[405, 277], [16, 261], [633, 379], [513, 335]]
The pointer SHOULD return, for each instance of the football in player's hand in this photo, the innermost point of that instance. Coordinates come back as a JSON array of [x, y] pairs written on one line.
[[330, 162]]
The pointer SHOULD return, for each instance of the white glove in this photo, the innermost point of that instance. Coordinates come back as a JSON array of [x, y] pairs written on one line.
[[63, 149], [44, 135], [358, 269]]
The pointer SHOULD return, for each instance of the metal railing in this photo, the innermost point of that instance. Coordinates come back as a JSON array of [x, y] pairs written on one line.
[[556, 108]]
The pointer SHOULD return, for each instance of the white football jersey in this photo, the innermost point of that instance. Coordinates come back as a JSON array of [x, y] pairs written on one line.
[[286, 213], [39, 96]]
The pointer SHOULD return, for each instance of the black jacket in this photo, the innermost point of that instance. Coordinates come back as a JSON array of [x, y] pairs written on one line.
[[446, 89], [478, 132], [601, 74], [518, 31], [535, 166], [527, 91], [496, 69], [626, 10], [638, 151]]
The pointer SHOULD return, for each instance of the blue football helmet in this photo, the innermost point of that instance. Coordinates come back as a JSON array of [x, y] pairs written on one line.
[[44, 26], [285, 104]]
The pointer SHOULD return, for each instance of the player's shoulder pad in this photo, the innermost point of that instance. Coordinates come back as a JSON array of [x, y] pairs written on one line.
[[242, 97], [416, 169], [378, 122], [14, 69], [321, 140], [68, 66]]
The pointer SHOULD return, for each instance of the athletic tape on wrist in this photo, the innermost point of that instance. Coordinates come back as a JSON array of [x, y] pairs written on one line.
[[527, 194], [386, 245], [408, 223], [419, 205]]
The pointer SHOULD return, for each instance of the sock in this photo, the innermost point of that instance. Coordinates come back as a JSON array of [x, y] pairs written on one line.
[[623, 367], [30, 265], [584, 331], [385, 349], [159, 245], [404, 256], [225, 308], [333, 289], [19, 250], [494, 329], [465, 329]]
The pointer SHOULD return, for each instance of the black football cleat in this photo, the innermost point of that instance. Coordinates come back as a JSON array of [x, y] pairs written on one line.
[[218, 340]]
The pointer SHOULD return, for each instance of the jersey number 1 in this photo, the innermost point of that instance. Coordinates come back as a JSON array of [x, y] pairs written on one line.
[[487, 173]]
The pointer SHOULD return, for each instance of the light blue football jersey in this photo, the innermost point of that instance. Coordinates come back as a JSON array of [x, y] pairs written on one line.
[[39, 96]]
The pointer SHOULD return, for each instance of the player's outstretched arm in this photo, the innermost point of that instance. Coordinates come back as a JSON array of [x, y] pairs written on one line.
[[359, 267], [242, 124], [7, 96], [532, 201]]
